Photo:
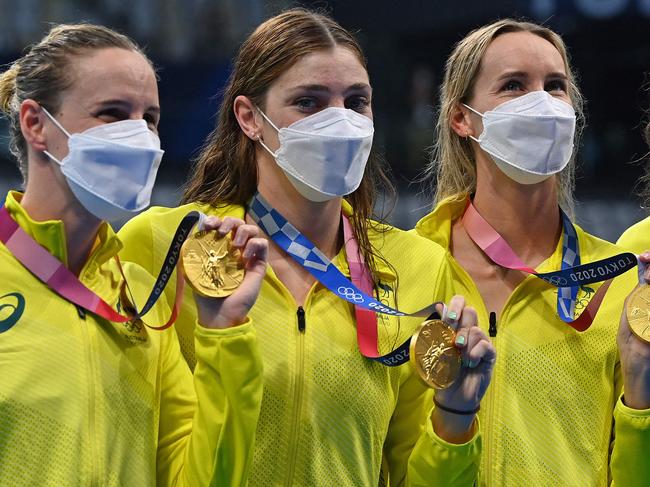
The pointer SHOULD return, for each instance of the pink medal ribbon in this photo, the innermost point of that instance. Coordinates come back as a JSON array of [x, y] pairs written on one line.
[[360, 277], [500, 252], [49, 270]]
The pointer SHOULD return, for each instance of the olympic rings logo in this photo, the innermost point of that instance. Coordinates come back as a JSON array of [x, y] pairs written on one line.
[[557, 281], [348, 293]]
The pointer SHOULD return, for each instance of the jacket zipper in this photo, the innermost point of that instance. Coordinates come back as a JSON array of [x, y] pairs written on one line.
[[493, 324], [81, 312], [302, 324], [301, 319], [91, 398], [491, 393]]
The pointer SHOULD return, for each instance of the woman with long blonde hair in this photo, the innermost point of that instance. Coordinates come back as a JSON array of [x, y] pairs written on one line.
[[509, 121]]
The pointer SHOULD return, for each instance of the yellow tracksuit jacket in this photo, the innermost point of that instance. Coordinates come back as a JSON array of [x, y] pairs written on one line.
[[85, 401], [328, 415], [548, 415], [637, 237]]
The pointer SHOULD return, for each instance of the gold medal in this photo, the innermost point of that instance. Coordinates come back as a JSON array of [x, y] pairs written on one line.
[[211, 266], [434, 354], [638, 312]]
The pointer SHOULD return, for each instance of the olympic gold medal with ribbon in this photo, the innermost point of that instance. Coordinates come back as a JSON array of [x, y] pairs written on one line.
[[638, 312], [212, 267], [434, 354]]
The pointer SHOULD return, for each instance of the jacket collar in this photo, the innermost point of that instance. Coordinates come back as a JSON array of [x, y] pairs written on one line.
[[50, 234], [436, 226]]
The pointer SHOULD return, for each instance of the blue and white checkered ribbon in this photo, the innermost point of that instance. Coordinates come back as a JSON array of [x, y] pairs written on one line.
[[572, 272], [303, 251]]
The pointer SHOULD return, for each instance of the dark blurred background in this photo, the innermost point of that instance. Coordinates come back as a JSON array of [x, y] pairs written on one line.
[[406, 42]]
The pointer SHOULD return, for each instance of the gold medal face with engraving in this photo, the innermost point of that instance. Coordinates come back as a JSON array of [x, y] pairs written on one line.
[[212, 267], [434, 354], [638, 312]]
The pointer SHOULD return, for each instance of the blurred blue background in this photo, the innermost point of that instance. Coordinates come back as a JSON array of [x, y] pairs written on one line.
[[193, 41]]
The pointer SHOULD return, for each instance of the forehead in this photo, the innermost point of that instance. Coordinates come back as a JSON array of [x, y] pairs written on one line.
[[337, 67], [113, 73], [521, 51]]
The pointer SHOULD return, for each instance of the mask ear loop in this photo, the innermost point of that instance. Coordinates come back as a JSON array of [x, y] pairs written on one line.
[[259, 137], [479, 114], [56, 122]]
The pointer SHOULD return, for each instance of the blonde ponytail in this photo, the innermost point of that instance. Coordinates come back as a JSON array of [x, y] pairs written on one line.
[[8, 89]]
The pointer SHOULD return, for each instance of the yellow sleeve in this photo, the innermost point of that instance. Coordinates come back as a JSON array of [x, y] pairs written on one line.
[[210, 443], [415, 454], [629, 463]]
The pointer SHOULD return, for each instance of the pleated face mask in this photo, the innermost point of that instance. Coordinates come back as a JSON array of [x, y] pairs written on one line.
[[324, 155], [530, 137], [111, 168]]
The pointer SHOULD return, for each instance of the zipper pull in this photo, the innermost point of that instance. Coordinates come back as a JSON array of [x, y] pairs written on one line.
[[493, 324], [301, 319], [80, 311]]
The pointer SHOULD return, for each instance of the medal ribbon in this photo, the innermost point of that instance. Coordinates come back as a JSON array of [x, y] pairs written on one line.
[[358, 292], [568, 279], [51, 271]]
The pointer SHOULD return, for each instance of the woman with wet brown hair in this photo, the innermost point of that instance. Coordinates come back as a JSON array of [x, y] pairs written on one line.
[[510, 115], [290, 153], [89, 396]]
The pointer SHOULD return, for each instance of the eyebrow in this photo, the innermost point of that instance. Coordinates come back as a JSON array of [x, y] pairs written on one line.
[[523, 74], [126, 105], [325, 89]]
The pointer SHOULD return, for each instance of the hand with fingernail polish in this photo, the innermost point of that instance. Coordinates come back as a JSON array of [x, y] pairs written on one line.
[[456, 407], [233, 310], [635, 356]]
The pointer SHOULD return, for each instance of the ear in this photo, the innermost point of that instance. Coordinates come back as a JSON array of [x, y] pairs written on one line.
[[461, 122], [247, 117], [31, 125]]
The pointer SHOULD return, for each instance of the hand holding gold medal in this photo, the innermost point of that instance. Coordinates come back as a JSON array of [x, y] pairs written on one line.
[[634, 341], [224, 262], [455, 357]]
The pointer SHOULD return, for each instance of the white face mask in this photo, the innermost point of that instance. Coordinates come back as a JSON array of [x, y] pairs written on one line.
[[530, 138], [111, 168], [324, 155]]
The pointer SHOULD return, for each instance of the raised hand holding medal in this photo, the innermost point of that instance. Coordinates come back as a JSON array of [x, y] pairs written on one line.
[[634, 340], [458, 403], [224, 263]]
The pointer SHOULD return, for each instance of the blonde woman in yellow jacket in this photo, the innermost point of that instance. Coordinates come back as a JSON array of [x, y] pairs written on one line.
[[85, 400], [505, 139], [295, 125]]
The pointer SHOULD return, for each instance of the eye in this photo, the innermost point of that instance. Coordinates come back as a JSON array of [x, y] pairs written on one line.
[[556, 85], [357, 102], [152, 121], [306, 103], [512, 85], [109, 115]]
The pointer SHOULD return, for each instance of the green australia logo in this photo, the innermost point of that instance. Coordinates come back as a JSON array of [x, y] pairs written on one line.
[[12, 306]]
